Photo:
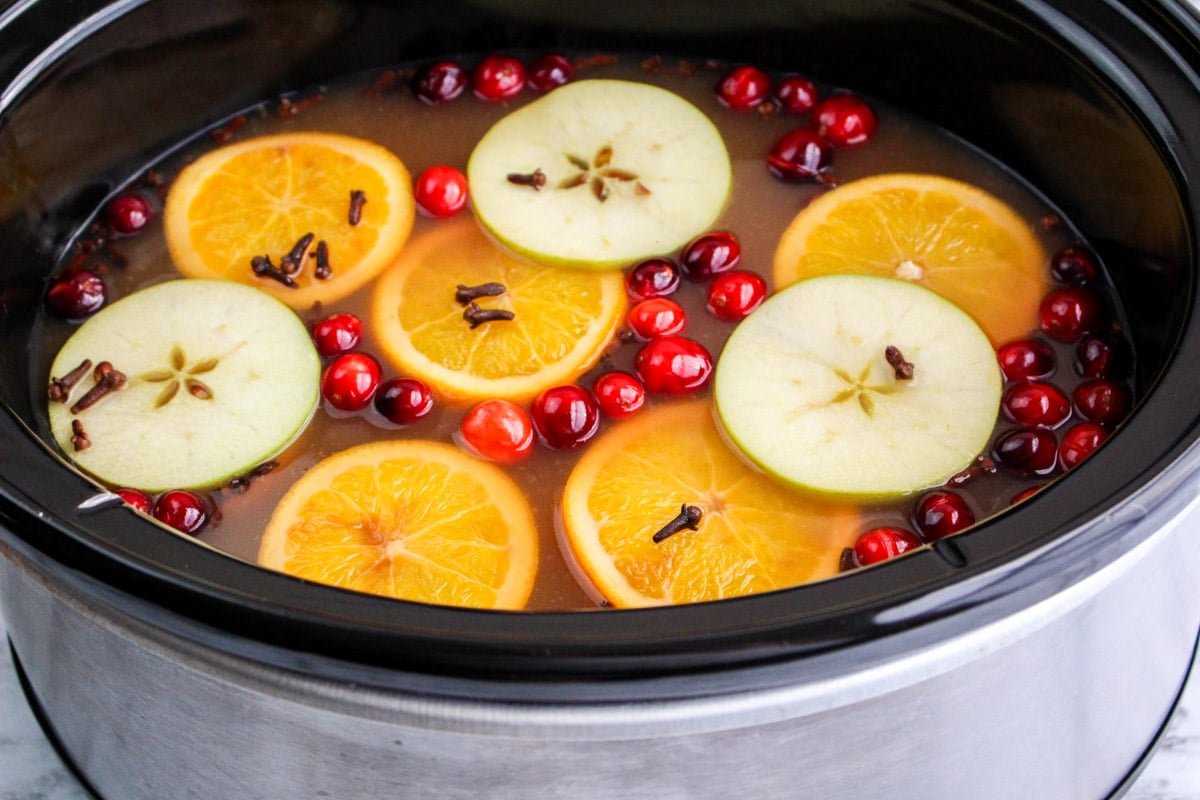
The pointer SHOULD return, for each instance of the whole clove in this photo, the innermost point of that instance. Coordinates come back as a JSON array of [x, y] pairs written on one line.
[[60, 388], [535, 180], [903, 369], [79, 437], [294, 260], [477, 316], [358, 198], [107, 379], [465, 294], [687, 519], [263, 268], [323, 270]]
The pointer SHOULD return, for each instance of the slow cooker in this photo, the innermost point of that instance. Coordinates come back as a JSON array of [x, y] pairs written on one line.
[[1035, 655]]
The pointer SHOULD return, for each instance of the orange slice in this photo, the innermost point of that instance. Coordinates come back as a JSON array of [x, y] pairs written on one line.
[[414, 520], [259, 197], [948, 236], [753, 536], [563, 318]]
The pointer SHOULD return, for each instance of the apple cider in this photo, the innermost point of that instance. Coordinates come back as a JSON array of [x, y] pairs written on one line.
[[946, 437]]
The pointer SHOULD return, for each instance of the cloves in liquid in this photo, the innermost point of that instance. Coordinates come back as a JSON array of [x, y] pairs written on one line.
[[465, 294], [477, 316], [263, 268], [294, 260], [358, 198], [323, 271], [688, 518]]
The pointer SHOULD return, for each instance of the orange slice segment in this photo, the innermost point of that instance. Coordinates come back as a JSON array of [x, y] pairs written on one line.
[[259, 197], [948, 236], [414, 520], [563, 319], [753, 536]]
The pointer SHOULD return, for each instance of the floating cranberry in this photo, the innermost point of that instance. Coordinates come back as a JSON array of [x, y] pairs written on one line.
[[139, 500], [184, 511], [1029, 451], [1101, 401], [441, 192], [656, 316], [802, 155], [128, 214], [618, 394], [350, 381], [844, 119], [880, 544], [942, 513], [1036, 403], [743, 88], [550, 72], [403, 401], [1067, 314], [1102, 357], [673, 365], [1025, 359], [654, 277], [710, 254], [498, 430], [565, 416], [440, 83], [733, 295], [1073, 266], [498, 78], [796, 94], [77, 294], [337, 334], [1080, 442]]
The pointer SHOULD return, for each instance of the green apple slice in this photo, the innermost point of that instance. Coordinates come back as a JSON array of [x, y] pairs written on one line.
[[600, 173], [219, 377], [811, 387]]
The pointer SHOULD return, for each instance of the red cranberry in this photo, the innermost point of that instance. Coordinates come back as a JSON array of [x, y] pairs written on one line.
[[710, 254], [77, 294], [618, 394], [1067, 314], [350, 381], [802, 155], [880, 544], [1030, 451], [498, 430], [743, 88], [1024, 495], [654, 277], [733, 295], [673, 365], [656, 316], [337, 334], [498, 78], [440, 83], [441, 192], [1080, 442], [1102, 357], [550, 72], [138, 499], [565, 416], [844, 120], [1036, 403], [1024, 359], [941, 513], [1101, 401], [1073, 266], [183, 510], [796, 95], [404, 400], [127, 214]]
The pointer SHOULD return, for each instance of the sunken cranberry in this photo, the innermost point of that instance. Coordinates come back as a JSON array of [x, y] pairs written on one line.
[[498, 430], [1029, 451], [183, 510], [743, 88], [796, 94], [440, 83], [403, 401], [549, 72], [1024, 495], [618, 394], [565, 416], [1101, 401], [802, 155], [1073, 266], [350, 381], [733, 295], [1080, 442], [844, 119], [656, 316], [941, 513], [1102, 356], [139, 500], [441, 192], [77, 294], [337, 334], [1036, 403], [1024, 359], [498, 78], [710, 254], [1067, 314], [880, 544], [673, 365], [127, 214], [654, 277]]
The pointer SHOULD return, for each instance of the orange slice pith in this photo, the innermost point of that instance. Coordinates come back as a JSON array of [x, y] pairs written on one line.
[[754, 535], [260, 196], [414, 520], [564, 318], [949, 236]]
